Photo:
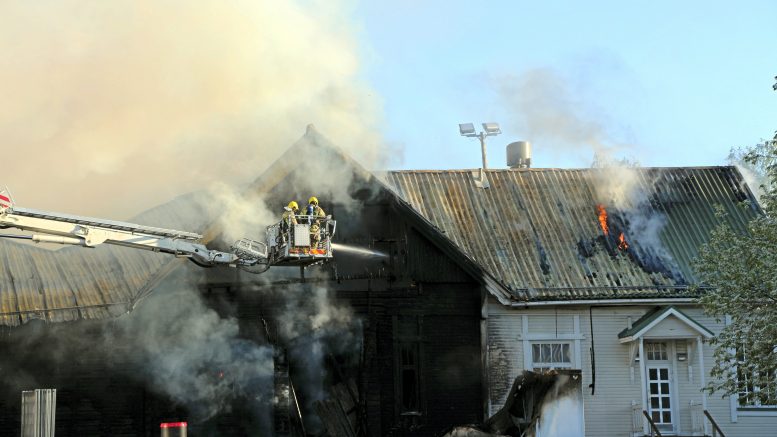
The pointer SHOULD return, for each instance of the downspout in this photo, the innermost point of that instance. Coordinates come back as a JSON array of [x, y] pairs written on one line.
[[592, 385], [485, 391]]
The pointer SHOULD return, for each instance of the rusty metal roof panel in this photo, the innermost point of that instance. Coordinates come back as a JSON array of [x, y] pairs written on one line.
[[70, 283], [538, 230], [74, 283]]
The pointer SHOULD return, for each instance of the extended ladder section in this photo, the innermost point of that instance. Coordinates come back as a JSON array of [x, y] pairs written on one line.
[[90, 232], [305, 242]]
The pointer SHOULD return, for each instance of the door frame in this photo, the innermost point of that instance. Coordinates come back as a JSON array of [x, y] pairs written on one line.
[[670, 365]]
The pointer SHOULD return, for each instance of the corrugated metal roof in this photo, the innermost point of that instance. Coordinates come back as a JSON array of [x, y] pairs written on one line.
[[73, 282], [533, 235], [538, 231]]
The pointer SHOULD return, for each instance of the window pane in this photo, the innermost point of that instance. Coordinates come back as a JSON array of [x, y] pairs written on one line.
[[551, 355], [556, 348], [667, 417], [666, 403], [653, 388], [664, 374], [409, 390], [653, 374], [656, 416], [664, 388], [654, 402]]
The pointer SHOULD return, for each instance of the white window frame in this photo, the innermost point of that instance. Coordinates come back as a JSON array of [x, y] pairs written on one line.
[[574, 340], [547, 365], [757, 406]]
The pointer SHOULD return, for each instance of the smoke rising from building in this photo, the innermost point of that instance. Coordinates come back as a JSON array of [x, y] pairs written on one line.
[[195, 356], [545, 106], [172, 343], [119, 106]]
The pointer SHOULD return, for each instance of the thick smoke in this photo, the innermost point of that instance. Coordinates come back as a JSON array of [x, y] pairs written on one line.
[[172, 343], [315, 326], [119, 106], [239, 216], [550, 109], [195, 356]]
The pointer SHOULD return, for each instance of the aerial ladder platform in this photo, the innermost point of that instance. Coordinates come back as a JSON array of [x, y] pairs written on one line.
[[289, 245]]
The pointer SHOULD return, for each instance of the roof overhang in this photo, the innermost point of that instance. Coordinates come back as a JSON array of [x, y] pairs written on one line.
[[655, 317]]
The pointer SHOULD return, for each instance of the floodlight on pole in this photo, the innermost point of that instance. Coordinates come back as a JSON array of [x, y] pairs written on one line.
[[489, 130], [467, 130]]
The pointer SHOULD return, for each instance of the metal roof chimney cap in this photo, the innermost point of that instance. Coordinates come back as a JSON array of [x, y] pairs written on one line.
[[519, 154]]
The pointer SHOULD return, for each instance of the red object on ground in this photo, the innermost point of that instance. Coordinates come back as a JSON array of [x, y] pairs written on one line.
[[5, 201], [173, 425]]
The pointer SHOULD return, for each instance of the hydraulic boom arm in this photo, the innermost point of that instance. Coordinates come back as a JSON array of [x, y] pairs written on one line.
[[59, 228]]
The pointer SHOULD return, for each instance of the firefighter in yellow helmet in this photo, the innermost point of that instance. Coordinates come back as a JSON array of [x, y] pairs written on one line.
[[289, 218], [316, 213]]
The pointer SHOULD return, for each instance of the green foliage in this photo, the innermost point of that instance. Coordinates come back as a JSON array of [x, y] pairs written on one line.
[[742, 270], [760, 163]]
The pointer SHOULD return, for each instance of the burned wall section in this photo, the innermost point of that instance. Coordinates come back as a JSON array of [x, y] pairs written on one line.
[[403, 323], [99, 391], [171, 359]]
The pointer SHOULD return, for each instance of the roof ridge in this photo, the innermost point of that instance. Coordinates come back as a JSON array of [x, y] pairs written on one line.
[[543, 169]]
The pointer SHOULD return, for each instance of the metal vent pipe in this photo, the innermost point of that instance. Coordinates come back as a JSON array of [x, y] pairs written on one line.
[[519, 154]]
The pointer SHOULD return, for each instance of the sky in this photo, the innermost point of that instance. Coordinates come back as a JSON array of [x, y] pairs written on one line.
[[665, 83], [115, 107]]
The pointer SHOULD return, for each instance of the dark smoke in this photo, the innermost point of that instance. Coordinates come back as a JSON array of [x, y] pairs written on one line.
[[641, 226]]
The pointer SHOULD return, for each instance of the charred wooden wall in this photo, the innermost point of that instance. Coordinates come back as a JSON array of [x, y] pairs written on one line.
[[99, 392], [414, 282]]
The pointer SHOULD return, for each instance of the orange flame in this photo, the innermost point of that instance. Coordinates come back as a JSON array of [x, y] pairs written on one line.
[[603, 219], [622, 244]]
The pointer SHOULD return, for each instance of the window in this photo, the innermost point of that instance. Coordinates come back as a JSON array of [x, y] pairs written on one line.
[[551, 355], [407, 362], [751, 395], [409, 377], [656, 351]]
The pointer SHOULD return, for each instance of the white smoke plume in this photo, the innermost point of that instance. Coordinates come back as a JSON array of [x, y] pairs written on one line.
[[115, 107], [546, 107], [617, 182], [195, 356], [239, 216], [172, 343], [754, 174], [314, 325], [550, 108]]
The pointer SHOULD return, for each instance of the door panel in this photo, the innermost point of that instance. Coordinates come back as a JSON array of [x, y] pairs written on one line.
[[660, 400]]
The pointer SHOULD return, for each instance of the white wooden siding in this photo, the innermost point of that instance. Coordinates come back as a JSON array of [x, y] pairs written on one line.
[[608, 410], [671, 327]]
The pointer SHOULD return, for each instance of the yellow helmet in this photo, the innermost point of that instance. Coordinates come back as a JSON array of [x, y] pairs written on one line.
[[313, 200], [293, 205]]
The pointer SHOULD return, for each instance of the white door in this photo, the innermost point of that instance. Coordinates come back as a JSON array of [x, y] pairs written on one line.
[[660, 400]]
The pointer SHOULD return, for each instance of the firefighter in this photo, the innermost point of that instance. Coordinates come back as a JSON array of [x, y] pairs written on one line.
[[313, 209], [289, 218], [316, 214]]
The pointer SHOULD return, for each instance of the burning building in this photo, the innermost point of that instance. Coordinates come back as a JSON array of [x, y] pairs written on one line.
[[457, 290]]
